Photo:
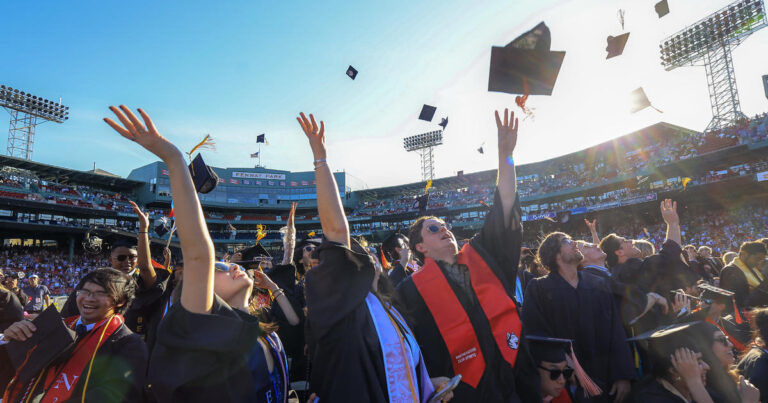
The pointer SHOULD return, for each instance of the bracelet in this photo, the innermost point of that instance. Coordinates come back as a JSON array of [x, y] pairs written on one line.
[[320, 160], [320, 165], [277, 293]]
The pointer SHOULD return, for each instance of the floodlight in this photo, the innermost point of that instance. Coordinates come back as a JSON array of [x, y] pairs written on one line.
[[26, 110]]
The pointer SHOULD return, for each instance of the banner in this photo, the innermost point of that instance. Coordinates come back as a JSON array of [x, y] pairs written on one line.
[[762, 176], [579, 210], [639, 199], [256, 175], [536, 217]]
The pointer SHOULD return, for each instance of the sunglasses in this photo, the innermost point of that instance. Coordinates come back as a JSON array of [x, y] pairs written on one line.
[[309, 248], [225, 267], [121, 258], [554, 374], [723, 339], [434, 228]]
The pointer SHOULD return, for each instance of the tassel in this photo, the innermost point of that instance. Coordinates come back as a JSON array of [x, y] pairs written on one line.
[[736, 314], [207, 143], [260, 233], [590, 387], [311, 234], [429, 185]]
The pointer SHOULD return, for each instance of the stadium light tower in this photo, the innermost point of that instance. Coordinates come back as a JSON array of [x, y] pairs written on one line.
[[26, 112], [710, 42], [425, 143]]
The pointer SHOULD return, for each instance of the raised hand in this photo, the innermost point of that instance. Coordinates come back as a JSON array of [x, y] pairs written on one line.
[[143, 217], [507, 133], [669, 212], [686, 364], [591, 225], [261, 280], [315, 134], [145, 134]]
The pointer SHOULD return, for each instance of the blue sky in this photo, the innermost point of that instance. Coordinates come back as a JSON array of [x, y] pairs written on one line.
[[239, 68]]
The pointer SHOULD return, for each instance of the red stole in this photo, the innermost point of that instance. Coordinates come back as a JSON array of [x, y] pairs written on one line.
[[453, 322], [59, 382]]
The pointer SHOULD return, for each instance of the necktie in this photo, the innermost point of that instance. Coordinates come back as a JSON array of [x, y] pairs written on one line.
[[80, 331]]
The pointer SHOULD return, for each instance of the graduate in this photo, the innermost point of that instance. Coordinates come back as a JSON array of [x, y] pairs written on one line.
[[461, 303], [549, 356], [209, 348], [679, 372], [360, 347], [104, 362], [395, 250], [717, 307], [570, 304]]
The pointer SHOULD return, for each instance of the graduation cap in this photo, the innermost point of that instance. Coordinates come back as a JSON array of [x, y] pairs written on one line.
[[555, 350], [203, 176], [351, 72], [444, 122], [526, 65], [427, 112], [421, 203], [253, 255], [662, 8], [49, 340], [666, 333], [548, 349], [616, 45], [712, 293], [639, 101], [480, 150]]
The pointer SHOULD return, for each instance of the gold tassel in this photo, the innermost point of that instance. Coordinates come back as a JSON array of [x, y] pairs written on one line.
[[260, 233]]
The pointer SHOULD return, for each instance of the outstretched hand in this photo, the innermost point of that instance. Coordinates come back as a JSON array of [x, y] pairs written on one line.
[[591, 225], [143, 217], [507, 133], [145, 134], [669, 212], [315, 134]]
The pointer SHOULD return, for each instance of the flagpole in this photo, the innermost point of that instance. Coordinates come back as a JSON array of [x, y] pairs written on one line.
[[259, 155]]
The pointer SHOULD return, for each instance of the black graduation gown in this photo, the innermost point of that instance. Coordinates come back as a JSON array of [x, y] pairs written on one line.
[[586, 314], [733, 279], [398, 274], [118, 373], [11, 310], [754, 367], [666, 271], [498, 243], [345, 353], [144, 305], [650, 390], [292, 337], [203, 357]]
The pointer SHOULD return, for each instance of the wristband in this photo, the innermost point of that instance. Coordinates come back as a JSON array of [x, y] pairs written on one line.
[[320, 160], [320, 165]]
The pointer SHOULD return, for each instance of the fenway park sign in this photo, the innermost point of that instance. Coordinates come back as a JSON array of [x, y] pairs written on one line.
[[255, 175]]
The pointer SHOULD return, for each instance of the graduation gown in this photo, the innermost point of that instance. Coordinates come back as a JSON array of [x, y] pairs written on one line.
[[754, 367], [118, 373], [11, 310], [345, 352], [586, 314], [203, 357], [292, 337], [650, 390], [398, 274], [498, 243], [144, 305], [733, 279]]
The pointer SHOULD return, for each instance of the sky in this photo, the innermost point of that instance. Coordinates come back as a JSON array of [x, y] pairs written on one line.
[[235, 69]]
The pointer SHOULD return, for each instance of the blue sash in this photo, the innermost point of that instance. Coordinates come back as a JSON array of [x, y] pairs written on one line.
[[401, 355]]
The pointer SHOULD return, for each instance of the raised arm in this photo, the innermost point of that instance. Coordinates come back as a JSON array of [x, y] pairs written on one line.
[[289, 238], [507, 180], [332, 218], [669, 214], [146, 271], [196, 244], [593, 230]]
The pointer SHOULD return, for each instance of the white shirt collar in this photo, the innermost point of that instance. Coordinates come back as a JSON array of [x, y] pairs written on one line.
[[87, 327]]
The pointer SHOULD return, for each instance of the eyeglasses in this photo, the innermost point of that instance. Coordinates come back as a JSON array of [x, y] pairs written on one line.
[[121, 258], [434, 228], [723, 339], [554, 374], [95, 294], [225, 267]]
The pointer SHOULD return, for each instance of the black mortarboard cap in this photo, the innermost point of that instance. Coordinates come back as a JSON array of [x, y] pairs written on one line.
[[616, 45], [427, 112], [480, 150], [351, 72], [662, 8], [251, 254], [203, 176], [421, 203], [663, 341], [51, 338], [161, 230], [525, 59], [548, 349], [665, 333], [444, 123], [711, 292]]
